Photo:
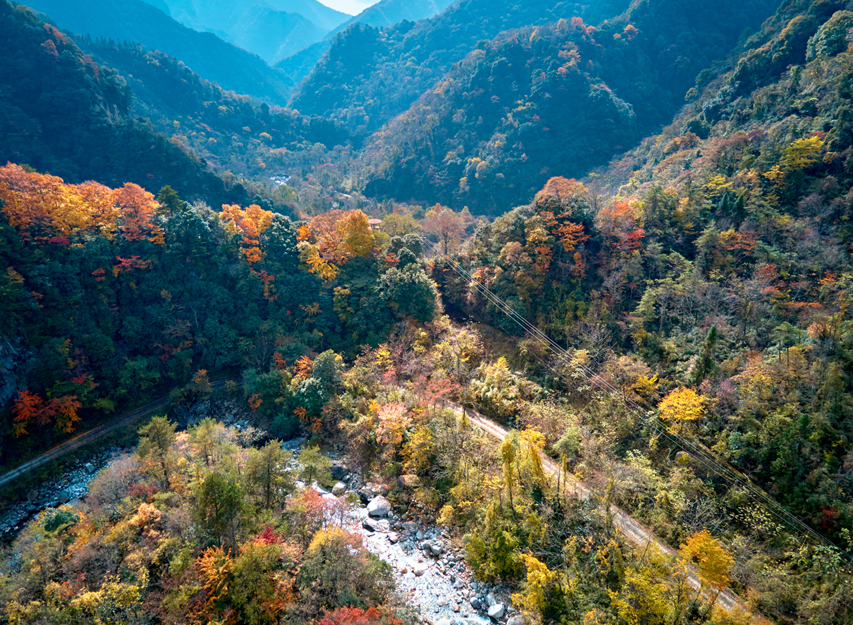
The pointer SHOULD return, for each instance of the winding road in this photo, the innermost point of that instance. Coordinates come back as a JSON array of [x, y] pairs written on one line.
[[92, 435], [634, 531]]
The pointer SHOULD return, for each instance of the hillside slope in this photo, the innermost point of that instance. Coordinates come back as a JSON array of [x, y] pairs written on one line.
[[230, 132], [204, 53], [709, 269]]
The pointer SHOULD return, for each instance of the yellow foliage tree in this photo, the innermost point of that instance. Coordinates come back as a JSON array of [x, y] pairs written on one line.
[[532, 598], [355, 233], [802, 153], [643, 599], [712, 561], [683, 405]]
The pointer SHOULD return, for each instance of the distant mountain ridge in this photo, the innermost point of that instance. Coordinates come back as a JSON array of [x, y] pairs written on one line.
[[272, 29], [205, 53], [201, 14], [390, 12], [274, 35], [384, 14]]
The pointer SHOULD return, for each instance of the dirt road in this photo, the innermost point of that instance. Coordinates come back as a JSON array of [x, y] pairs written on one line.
[[634, 531], [92, 435]]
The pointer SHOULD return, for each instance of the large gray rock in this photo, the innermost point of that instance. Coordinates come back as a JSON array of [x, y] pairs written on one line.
[[339, 471], [339, 489], [420, 568], [435, 548], [405, 482], [293, 444], [497, 611], [379, 507], [518, 619]]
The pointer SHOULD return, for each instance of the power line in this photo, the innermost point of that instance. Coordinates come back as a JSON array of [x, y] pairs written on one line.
[[699, 454]]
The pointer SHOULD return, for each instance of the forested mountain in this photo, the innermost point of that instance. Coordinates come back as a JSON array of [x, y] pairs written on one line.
[[369, 75], [63, 113], [204, 53], [556, 99], [159, 289], [705, 273], [272, 29]]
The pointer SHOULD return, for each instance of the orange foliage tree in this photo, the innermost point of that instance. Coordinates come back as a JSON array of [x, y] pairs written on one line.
[[621, 222], [559, 192], [250, 223], [47, 209], [340, 235], [138, 211], [32, 408]]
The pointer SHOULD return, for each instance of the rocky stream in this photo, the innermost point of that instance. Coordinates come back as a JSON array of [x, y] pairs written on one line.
[[430, 572]]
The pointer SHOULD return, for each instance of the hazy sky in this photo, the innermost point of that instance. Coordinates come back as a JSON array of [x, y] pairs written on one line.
[[353, 7]]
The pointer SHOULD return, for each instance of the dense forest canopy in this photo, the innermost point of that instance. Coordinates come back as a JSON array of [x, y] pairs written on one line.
[[533, 271]]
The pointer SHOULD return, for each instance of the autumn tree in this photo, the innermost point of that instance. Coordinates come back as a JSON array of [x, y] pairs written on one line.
[[260, 587], [155, 443], [521, 459], [138, 214], [219, 506], [337, 571], [531, 600], [323, 232], [250, 224], [445, 224], [355, 234], [30, 408], [712, 561], [400, 224], [267, 473], [682, 406], [562, 196], [47, 208]]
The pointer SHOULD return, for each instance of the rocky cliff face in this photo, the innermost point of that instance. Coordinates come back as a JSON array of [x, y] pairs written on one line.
[[12, 360]]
